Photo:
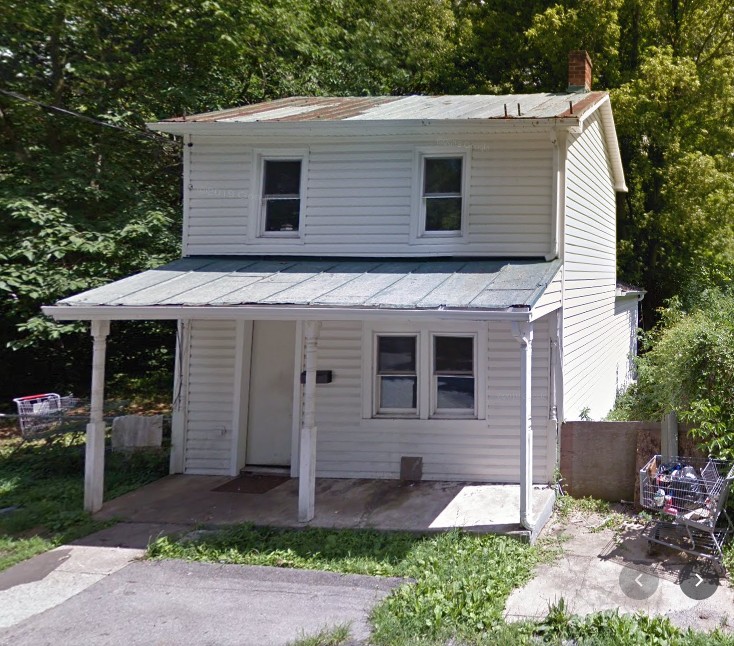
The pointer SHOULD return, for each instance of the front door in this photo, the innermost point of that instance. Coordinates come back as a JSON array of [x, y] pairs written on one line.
[[270, 418]]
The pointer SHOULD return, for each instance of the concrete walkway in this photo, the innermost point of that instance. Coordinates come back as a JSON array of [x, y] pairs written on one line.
[[96, 591], [594, 567], [48, 580]]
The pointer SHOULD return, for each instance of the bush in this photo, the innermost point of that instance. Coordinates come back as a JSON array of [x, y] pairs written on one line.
[[688, 366]]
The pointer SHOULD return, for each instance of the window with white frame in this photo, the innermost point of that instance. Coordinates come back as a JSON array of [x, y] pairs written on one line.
[[281, 202], [442, 194], [396, 385], [425, 374], [454, 385]]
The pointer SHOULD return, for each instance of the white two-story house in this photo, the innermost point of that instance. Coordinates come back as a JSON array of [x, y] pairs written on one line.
[[377, 285]]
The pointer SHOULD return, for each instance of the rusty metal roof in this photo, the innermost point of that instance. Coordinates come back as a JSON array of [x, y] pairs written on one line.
[[420, 284], [383, 108]]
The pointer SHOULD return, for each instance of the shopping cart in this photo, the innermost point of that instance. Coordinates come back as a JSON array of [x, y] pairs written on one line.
[[43, 415], [690, 495]]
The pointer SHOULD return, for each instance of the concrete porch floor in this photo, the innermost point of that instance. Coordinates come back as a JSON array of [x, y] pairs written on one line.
[[340, 503]]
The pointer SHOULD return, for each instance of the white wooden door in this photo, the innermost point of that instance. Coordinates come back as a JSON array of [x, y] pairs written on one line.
[[270, 417]]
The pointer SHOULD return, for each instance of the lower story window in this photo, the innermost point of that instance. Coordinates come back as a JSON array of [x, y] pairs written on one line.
[[397, 378], [453, 374], [446, 378]]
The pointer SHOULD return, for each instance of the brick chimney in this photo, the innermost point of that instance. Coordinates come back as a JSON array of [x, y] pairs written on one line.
[[579, 71]]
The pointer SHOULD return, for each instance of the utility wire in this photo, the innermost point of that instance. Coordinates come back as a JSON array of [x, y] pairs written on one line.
[[70, 113]]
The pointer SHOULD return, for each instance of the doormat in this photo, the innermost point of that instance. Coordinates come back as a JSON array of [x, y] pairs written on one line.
[[252, 484]]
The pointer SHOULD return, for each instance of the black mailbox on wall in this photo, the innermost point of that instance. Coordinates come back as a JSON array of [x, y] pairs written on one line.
[[322, 376]]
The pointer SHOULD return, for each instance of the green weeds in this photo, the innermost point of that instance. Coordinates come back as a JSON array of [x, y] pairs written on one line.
[[334, 636], [42, 493]]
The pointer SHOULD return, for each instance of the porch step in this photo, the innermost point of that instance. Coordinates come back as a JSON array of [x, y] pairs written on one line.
[[265, 471]]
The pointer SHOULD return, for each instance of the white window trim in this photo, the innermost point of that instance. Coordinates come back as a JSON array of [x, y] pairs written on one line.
[[392, 413], [257, 203], [419, 235], [453, 413], [426, 394]]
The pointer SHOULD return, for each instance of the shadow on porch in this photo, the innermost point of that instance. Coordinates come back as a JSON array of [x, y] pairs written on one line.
[[340, 503]]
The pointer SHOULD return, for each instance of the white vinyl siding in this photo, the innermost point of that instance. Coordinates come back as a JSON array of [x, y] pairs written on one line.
[[590, 351], [359, 199], [210, 398], [624, 341], [482, 450]]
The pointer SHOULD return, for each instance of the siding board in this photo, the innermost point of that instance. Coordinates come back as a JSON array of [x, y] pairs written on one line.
[[359, 200], [208, 443], [484, 450], [592, 342]]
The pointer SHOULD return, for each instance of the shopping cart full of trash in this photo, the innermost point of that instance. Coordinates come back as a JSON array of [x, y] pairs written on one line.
[[689, 496]]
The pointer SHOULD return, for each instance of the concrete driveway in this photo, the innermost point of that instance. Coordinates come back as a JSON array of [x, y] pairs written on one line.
[[102, 595]]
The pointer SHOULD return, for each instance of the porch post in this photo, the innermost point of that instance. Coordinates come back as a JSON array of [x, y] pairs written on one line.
[[523, 333], [307, 463], [94, 456]]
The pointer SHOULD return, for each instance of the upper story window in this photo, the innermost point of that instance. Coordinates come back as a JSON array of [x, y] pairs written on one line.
[[281, 197], [278, 199], [441, 179], [442, 195]]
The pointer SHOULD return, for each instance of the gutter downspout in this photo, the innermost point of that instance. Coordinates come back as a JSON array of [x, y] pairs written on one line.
[[523, 333], [554, 435]]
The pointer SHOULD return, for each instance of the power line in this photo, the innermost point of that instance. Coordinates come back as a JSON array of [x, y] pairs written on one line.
[[70, 113]]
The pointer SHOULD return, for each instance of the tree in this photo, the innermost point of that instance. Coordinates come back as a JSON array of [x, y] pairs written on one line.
[[674, 122], [82, 204]]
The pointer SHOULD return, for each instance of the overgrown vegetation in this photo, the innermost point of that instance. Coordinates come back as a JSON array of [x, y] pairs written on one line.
[[42, 492], [334, 636], [688, 367], [461, 580], [460, 583]]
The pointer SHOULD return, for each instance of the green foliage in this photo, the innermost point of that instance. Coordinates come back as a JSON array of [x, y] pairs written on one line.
[[606, 628], [81, 204], [462, 583], [334, 636], [689, 368], [461, 580], [354, 552], [45, 483]]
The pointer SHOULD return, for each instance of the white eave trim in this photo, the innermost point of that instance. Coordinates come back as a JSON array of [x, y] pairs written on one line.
[[359, 126], [274, 313], [610, 134]]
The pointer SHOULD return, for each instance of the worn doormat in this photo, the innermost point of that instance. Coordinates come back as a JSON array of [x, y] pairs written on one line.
[[252, 484]]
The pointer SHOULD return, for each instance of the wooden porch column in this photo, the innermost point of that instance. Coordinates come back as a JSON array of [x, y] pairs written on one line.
[[307, 463], [523, 333], [94, 457]]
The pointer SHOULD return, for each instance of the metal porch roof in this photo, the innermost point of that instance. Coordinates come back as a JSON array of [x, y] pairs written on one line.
[[339, 283]]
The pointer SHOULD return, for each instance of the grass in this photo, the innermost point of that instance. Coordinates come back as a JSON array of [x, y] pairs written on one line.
[[460, 583], [42, 492], [568, 506], [461, 580], [334, 636]]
